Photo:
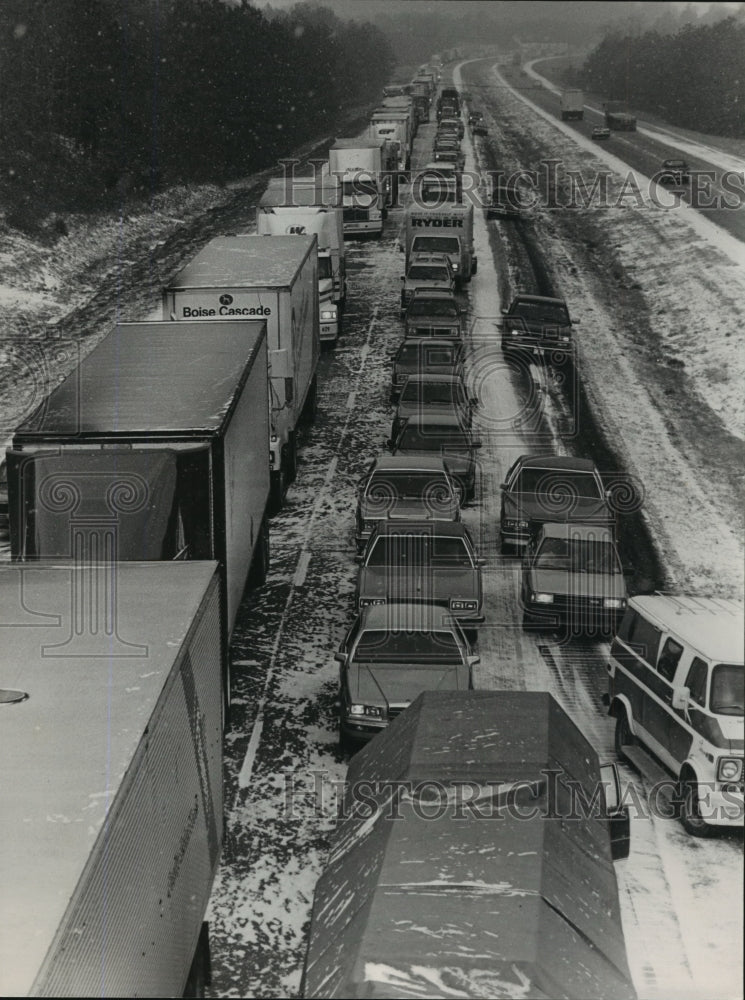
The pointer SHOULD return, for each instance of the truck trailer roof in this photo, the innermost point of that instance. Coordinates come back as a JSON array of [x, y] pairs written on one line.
[[178, 379], [358, 143], [69, 747], [246, 261]]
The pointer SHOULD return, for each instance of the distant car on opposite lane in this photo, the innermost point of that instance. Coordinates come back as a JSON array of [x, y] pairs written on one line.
[[674, 172], [601, 132]]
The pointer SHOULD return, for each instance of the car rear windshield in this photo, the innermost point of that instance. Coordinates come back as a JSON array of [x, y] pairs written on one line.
[[431, 392], [541, 312], [727, 689], [558, 483], [578, 556], [432, 307], [428, 272], [419, 550], [432, 438], [391, 485], [406, 645]]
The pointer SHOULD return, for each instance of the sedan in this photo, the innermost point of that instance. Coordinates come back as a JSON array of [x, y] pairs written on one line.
[[435, 394], [541, 488], [538, 324], [438, 434], [422, 562], [600, 132], [572, 579], [399, 487], [389, 656], [425, 356]]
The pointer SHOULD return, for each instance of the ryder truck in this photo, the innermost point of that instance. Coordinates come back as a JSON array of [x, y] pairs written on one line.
[[275, 280], [446, 229], [300, 207], [154, 449], [112, 817], [359, 165]]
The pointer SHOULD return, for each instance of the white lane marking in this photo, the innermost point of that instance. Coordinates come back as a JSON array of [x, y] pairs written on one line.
[[298, 579], [351, 398]]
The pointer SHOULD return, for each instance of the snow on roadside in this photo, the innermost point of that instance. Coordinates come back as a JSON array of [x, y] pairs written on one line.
[[695, 295]]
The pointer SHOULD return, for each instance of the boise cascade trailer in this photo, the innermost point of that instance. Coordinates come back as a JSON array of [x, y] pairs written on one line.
[[473, 858], [276, 280], [154, 449], [111, 739], [302, 206]]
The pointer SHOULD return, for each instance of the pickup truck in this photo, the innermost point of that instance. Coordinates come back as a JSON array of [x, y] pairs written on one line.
[[538, 324]]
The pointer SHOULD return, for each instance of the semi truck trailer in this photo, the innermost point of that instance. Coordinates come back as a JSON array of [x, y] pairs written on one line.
[[359, 165], [572, 105], [301, 207], [154, 449], [111, 739], [276, 280]]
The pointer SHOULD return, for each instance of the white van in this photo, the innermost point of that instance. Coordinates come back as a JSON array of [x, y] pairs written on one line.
[[676, 684]]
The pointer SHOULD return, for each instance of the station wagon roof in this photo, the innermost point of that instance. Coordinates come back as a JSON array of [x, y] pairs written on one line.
[[582, 532], [433, 529], [408, 463], [711, 625], [557, 462], [434, 379]]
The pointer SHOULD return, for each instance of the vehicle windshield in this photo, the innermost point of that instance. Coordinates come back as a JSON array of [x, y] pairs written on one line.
[[430, 392], [421, 550], [436, 244], [428, 272], [360, 188], [392, 485], [558, 484], [325, 269], [407, 646], [578, 556], [553, 314], [421, 306], [432, 438], [727, 689]]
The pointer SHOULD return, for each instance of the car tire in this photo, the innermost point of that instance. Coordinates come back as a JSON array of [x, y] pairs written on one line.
[[277, 490], [623, 736], [260, 562], [506, 548], [690, 811], [346, 745]]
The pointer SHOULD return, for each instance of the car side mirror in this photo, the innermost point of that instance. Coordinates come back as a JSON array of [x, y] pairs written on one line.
[[473, 660], [359, 558], [474, 401], [403, 277], [576, 322], [477, 444], [341, 657], [681, 697], [504, 312], [503, 486], [388, 443], [480, 560]]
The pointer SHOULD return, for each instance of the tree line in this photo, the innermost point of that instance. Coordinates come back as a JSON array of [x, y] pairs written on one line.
[[104, 96], [694, 78]]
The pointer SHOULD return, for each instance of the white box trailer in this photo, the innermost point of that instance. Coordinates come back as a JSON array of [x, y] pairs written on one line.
[[395, 126], [299, 207], [448, 229], [112, 819], [275, 280], [154, 449], [572, 105], [358, 163]]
